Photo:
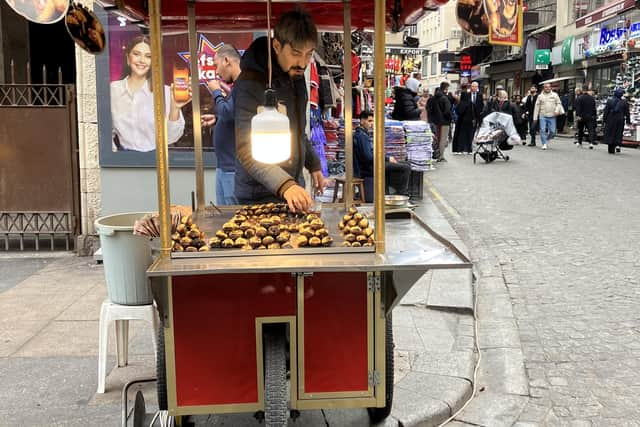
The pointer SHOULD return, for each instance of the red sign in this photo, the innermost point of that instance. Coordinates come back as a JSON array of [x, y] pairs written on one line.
[[465, 63], [607, 11], [503, 31]]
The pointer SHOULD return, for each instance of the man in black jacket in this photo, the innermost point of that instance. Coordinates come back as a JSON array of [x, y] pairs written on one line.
[[586, 114], [477, 104], [529, 107], [295, 38], [441, 117]]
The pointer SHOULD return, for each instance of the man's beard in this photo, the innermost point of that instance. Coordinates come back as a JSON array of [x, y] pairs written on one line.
[[296, 75]]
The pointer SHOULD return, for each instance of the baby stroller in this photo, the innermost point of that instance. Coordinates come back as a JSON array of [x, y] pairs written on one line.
[[497, 133]]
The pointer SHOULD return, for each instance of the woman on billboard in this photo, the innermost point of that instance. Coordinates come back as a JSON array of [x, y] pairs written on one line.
[[132, 102]]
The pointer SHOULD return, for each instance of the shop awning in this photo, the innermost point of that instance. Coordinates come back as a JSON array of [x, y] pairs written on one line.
[[542, 30], [243, 15], [560, 79]]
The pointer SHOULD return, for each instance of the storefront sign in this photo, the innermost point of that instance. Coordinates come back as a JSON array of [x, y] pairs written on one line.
[[605, 12], [634, 30], [567, 51], [465, 63], [608, 35], [543, 59], [206, 53], [406, 51], [505, 31]]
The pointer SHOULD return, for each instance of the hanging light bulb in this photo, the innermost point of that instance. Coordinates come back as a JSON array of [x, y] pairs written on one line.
[[270, 132]]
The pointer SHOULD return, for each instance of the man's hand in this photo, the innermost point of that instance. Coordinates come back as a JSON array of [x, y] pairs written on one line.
[[298, 199], [319, 182], [213, 85], [207, 120], [392, 159]]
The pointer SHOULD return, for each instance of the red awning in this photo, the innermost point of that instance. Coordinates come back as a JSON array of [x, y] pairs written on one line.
[[251, 15]]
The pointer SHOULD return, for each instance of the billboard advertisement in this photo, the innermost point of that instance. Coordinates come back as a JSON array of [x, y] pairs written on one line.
[[505, 21]]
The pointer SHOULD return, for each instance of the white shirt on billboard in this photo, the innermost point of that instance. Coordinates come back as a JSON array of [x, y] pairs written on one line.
[[133, 120]]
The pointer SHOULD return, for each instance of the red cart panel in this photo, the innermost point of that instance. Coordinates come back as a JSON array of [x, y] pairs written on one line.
[[215, 333], [336, 333]]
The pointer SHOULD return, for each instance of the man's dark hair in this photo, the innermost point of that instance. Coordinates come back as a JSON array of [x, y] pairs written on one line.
[[364, 115], [296, 28], [444, 85], [228, 51]]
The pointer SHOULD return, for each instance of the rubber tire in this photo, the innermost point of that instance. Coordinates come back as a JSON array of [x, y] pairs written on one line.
[[276, 408], [506, 159], [378, 414], [161, 370]]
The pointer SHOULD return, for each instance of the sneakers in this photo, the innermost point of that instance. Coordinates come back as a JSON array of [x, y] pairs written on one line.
[[617, 149], [578, 144], [590, 146], [532, 144], [544, 146]]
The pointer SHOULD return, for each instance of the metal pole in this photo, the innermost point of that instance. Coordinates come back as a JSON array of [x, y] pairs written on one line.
[[347, 191], [162, 147], [378, 116], [195, 104]]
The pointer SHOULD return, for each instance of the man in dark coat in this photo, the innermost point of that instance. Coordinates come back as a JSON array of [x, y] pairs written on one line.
[[477, 105], [616, 113], [397, 174], [529, 107], [295, 38], [586, 114], [441, 117]]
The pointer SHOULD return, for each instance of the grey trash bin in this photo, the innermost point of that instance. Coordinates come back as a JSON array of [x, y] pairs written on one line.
[[126, 258]]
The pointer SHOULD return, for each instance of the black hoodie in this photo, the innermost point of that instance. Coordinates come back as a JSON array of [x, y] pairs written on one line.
[[254, 181]]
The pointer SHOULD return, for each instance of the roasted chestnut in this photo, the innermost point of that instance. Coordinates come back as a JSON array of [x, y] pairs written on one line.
[[227, 243], [302, 241], [261, 247], [367, 245], [341, 225], [221, 235], [245, 225], [358, 216], [306, 232], [239, 219], [355, 230], [267, 240], [311, 217], [317, 224], [361, 238], [194, 234], [229, 226], [327, 241], [364, 223], [191, 249], [352, 211], [275, 220], [286, 245], [249, 233], [283, 237], [240, 242], [186, 241], [214, 242], [266, 222], [255, 241], [274, 230], [274, 246], [368, 231], [346, 218], [282, 228], [177, 247], [198, 242], [181, 228], [352, 223], [203, 248], [315, 241], [261, 232], [350, 238], [346, 244], [235, 234], [321, 232], [175, 236], [293, 228], [356, 245]]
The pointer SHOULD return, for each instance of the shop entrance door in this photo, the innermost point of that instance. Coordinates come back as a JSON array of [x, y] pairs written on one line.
[[39, 174]]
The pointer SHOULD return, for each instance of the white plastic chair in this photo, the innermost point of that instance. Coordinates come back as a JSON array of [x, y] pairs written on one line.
[[121, 314]]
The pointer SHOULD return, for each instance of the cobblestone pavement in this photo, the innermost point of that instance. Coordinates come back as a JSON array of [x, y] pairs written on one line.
[[563, 224]]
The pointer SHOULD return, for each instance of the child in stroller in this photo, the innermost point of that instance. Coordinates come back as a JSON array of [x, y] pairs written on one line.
[[497, 133]]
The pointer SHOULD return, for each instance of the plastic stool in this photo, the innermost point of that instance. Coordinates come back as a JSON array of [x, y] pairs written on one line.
[[121, 314], [358, 183]]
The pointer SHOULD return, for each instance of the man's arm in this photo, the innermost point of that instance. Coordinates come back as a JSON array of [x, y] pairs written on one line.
[[248, 95]]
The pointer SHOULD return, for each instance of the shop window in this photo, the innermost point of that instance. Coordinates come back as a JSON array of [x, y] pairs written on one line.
[[581, 8], [434, 64]]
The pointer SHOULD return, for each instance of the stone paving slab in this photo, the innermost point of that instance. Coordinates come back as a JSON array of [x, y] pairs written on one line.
[[451, 289]]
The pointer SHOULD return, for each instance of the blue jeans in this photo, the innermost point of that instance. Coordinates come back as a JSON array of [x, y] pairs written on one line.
[[225, 188], [550, 124]]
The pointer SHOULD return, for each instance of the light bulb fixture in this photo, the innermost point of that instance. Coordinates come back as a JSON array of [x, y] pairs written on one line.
[[270, 132]]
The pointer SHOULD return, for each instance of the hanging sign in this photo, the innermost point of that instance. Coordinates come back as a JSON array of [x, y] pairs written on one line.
[[206, 52], [543, 59], [472, 18], [505, 22], [85, 28], [40, 11], [567, 51]]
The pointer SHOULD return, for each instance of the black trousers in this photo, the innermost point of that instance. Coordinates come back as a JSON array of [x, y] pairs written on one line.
[[591, 128], [397, 175]]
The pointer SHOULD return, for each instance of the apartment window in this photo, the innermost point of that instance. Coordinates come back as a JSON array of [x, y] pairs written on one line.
[[425, 65], [434, 64], [584, 7]]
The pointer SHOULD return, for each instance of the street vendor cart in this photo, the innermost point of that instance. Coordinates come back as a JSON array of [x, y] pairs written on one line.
[[305, 326]]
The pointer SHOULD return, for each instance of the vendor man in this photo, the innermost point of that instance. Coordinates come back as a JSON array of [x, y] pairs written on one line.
[[397, 174], [294, 41]]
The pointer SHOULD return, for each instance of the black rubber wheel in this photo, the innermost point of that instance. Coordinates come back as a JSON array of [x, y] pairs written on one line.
[[161, 370], [276, 408], [506, 158], [378, 414], [474, 158], [139, 410]]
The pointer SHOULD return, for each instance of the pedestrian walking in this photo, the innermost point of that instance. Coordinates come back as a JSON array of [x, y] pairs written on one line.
[[616, 113], [440, 114], [519, 117], [562, 118], [463, 134], [585, 108], [500, 105], [548, 108], [477, 104], [529, 106]]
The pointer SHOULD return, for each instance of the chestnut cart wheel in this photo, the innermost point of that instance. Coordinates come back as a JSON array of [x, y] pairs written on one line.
[[379, 414], [276, 412]]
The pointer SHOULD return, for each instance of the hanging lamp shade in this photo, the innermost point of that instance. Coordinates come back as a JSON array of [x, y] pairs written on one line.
[[270, 133]]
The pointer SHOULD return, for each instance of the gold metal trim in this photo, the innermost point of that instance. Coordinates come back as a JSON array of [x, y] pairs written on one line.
[[170, 355], [380, 346], [291, 320], [195, 104], [162, 147], [304, 396], [347, 190], [337, 403], [378, 112]]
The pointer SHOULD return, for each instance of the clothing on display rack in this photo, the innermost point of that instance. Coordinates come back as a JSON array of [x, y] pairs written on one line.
[[419, 145], [318, 139]]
